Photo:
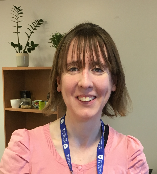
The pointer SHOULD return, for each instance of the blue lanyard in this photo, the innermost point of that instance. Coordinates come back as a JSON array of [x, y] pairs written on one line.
[[65, 144]]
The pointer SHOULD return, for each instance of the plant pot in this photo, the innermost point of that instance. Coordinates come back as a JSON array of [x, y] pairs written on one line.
[[22, 59]]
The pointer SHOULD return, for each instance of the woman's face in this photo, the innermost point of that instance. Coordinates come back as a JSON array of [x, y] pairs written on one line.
[[85, 89]]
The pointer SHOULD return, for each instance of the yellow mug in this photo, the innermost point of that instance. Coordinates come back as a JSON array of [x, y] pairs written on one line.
[[41, 105]]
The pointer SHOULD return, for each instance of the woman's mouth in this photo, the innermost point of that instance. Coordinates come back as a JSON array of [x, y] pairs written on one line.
[[86, 99]]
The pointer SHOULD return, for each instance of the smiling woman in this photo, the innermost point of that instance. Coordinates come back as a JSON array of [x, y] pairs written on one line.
[[87, 78], [89, 41]]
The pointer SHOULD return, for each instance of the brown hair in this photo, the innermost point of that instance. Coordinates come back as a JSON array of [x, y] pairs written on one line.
[[96, 39]]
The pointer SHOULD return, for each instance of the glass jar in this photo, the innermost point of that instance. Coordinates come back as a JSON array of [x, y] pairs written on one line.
[[25, 103]]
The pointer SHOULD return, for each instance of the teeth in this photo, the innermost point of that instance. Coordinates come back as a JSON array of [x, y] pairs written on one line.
[[86, 98]]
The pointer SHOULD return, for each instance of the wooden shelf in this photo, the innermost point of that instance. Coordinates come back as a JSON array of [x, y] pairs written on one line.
[[26, 68], [25, 110], [16, 79]]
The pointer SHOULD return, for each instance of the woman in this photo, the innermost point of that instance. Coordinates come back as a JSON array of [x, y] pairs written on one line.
[[87, 79]]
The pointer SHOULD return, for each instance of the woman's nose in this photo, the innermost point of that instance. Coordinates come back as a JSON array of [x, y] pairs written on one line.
[[85, 79]]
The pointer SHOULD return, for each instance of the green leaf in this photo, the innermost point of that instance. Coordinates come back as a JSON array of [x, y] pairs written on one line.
[[26, 34], [31, 26], [12, 44], [40, 20], [32, 43], [55, 39], [29, 29], [33, 23], [35, 45], [29, 50]]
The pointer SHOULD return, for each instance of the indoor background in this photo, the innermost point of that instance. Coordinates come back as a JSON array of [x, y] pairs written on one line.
[[132, 25]]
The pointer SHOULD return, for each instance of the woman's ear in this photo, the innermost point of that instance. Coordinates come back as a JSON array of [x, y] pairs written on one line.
[[113, 87], [114, 81], [58, 85]]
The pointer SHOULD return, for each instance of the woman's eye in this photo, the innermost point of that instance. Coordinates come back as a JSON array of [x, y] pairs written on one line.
[[97, 70], [73, 69]]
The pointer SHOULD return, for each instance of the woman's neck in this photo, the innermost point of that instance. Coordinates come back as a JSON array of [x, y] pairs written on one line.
[[83, 133]]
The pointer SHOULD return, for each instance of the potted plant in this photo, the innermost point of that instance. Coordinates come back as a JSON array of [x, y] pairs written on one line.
[[22, 56], [55, 39]]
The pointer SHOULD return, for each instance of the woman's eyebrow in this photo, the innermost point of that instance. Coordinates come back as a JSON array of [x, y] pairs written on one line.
[[73, 63], [92, 63], [98, 63]]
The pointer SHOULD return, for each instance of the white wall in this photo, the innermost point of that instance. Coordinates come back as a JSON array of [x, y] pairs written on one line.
[[133, 26]]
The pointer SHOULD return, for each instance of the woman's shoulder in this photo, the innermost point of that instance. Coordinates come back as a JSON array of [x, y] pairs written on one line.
[[130, 148], [24, 136], [22, 140], [130, 141], [18, 152]]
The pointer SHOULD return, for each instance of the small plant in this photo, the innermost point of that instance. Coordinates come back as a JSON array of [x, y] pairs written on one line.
[[17, 13], [55, 39]]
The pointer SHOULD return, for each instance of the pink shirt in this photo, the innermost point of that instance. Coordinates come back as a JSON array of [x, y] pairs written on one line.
[[33, 152]]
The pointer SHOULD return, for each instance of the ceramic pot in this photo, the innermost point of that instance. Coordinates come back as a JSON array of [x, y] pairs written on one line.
[[22, 59]]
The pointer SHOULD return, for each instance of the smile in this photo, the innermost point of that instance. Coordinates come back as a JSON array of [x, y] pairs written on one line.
[[86, 99]]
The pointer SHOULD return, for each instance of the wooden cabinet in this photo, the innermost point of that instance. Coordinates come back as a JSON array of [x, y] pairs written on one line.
[[34, 79]]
